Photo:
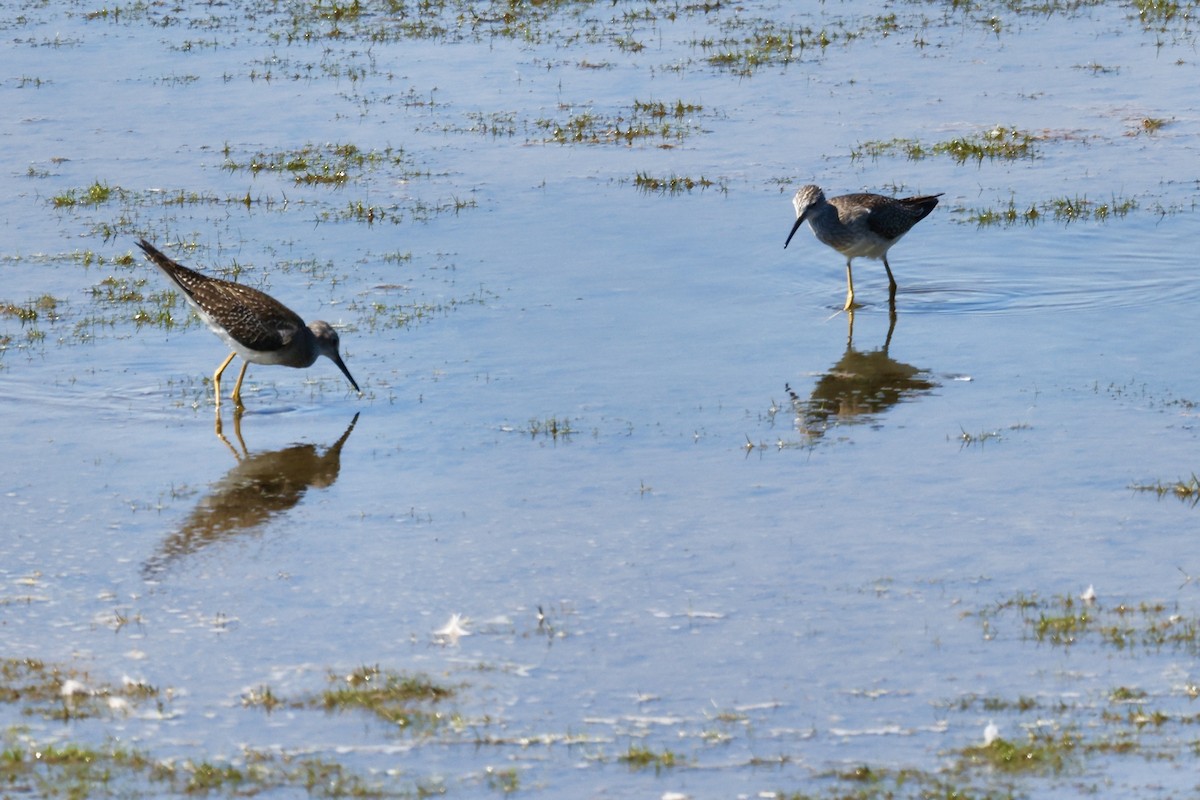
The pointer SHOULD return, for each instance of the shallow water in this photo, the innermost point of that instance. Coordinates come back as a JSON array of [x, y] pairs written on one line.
[[770, 543]]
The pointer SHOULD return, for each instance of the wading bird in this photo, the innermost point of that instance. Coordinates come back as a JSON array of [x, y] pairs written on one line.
[[255, 325], [860, 225]]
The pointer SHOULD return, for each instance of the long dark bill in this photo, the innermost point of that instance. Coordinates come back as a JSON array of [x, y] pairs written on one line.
[[795, 228], [337, 359]]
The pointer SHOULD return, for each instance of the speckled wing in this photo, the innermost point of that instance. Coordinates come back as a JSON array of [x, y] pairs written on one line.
[[255, 320]]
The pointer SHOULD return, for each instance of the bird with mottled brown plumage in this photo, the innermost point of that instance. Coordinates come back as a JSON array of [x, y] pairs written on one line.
[[255, 325]]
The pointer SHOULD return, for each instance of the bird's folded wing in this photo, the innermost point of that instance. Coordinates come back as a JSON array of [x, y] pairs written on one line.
[[253, 318]]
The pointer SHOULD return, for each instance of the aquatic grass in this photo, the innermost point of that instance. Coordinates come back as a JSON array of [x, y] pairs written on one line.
[[550, 427], [1058, 209], [94, 195], [58, 692], [117, 13], [68, 769], [992, 703], [1070, 209], [374, 684], [396, 257], [968, 439], [330, 164], [534, 23], [205, 777], [123, 298], [380, 315], [396, 698], [675, 184], [875, 782], [497, 124], [416, 211], [659, 109], [1151, 125], [878, 148], [183, 197], [42, 307], [1005, 215], [264, 697], [1045, 748], [506, 780], [31, 313], [1150, 629], [337, 11], [998, 142], [76, 770], [1168, 16], [1061, 628], [1156, 10], [643, 121], [1123, 694], [640, 757], [1137, 717], [1187, 490], [114, 290], [628, 44], [1065, 621], [742, 44], [747, 44], [1040, 752], [1138, 392], [321, 777], [399, 699], [324, 20], [1097, 69]]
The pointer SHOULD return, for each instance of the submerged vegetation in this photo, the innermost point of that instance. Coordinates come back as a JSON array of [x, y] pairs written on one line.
[[999, 142], [675, 184], [968, 439], [1187, 491], [407, 702], [1034, 737], [1057, 209], [94, 195], [330, 164], [639, 757], [1067, 621], [391, 696], [72, 769], [63, 693], [651, 122]]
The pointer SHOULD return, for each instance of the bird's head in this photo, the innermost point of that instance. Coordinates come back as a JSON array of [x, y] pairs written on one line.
[[327, 344], [806, 199]]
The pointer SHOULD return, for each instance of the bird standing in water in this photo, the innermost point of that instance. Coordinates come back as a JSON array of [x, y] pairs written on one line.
[[255, 325], [860, 225]]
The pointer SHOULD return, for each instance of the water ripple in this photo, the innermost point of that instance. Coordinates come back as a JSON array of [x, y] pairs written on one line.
[[998, 295]]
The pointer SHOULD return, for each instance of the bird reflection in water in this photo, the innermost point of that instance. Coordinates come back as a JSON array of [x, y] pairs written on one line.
[[262, 486], [858, 387]]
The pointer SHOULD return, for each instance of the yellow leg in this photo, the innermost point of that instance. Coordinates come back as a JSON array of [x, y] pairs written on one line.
[[849, 289], [237, 387], [217, 377]]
